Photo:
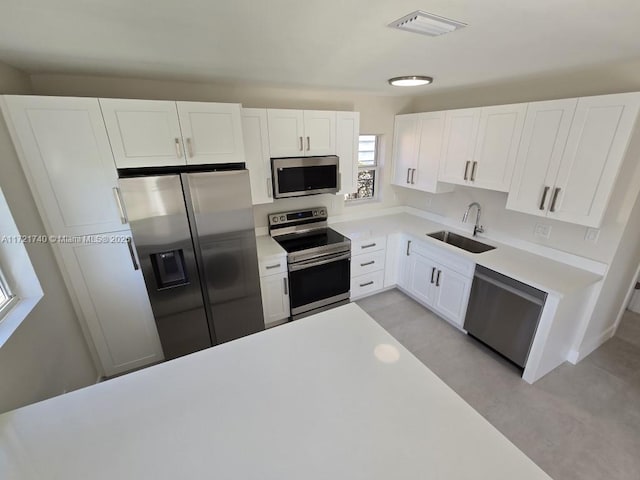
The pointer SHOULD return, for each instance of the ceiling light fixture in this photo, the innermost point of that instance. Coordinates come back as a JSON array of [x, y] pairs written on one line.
[[427, 24], [410, 81]]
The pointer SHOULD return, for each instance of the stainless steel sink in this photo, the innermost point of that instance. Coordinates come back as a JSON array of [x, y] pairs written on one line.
[[459, 241]]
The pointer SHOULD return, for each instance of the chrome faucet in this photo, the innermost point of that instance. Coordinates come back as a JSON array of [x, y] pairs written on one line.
[[477, 228]]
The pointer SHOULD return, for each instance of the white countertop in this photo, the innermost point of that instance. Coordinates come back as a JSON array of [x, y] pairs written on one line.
[[332, 396], [535, 270], [267, 247]]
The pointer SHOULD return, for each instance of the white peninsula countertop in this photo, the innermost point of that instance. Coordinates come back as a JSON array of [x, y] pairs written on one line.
[[332, 396]]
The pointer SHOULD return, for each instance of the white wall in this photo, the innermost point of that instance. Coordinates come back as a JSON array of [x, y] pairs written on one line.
[[376, 117], [47, 354]]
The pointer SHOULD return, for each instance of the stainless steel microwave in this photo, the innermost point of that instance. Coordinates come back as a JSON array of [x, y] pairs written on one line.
[[299, 176]]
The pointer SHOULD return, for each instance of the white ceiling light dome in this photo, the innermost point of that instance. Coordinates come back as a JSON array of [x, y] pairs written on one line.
[[410, 81]]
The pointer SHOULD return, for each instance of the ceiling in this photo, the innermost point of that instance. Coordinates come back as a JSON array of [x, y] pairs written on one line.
[[341, 44]]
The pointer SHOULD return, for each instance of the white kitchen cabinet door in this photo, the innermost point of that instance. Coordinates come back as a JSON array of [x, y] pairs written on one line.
[[460, 134], [429, 154], [496, 148], [421, 279], [143, 133], [319, 132], [347, 134], [275, 298], [405, 148], [212, 132], [64, 150], [598, 139], [286, 133], [256, 147], [451, 294], [544, 137], [113, 298]]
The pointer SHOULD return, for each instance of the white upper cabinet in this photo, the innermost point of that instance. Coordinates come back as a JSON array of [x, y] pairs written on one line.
[[212, 132], [405, 148], [143, 133], [497, 146], [570, 156], [460, 134], [417, 151], [544, 136], [598, 139], [347, 134], [481, 145], [148, 133], [301, 133], [65, 153], [319, 132], [256, 147]]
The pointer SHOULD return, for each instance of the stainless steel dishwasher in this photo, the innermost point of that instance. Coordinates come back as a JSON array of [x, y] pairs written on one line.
[[504, 313]]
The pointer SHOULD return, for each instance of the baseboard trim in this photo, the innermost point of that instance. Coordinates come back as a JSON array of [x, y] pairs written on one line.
[[576, 356]]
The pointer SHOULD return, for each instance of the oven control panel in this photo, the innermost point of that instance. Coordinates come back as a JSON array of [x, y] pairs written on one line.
[[298, 217]]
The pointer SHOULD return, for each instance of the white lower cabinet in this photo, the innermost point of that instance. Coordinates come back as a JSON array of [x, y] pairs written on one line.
[[274, 286], [112, 296], [367, 266], [437, 279]]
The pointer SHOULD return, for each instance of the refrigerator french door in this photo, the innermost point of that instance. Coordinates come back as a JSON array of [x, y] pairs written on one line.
[[195, 239]]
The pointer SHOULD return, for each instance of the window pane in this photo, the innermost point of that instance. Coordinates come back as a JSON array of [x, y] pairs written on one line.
[[367, 151], [3, 296], [366, 185]]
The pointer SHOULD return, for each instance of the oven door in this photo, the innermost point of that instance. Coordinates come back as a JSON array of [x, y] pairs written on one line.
[[319, 282], [295, 177]]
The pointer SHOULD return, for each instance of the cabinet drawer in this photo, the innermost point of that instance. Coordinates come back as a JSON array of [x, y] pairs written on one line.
[[366, 284], [272, 265], [368, 245], [367, 263]]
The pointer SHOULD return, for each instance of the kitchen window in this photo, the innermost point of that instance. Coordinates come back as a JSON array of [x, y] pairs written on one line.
[[7, 299], [367, 169]]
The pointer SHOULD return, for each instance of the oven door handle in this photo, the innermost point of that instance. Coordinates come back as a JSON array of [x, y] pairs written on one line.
[[319, 261]]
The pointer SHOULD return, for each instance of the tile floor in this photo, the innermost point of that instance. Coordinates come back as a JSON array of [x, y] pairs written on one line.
[[580, 422]]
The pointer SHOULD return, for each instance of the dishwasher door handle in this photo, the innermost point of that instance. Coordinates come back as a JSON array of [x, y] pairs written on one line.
[[509, 289]]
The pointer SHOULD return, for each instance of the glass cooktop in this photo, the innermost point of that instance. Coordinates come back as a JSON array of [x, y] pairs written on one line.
[[296, 242]]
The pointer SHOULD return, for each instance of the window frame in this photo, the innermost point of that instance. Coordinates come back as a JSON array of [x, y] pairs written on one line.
[[10, 298], [375, 168]]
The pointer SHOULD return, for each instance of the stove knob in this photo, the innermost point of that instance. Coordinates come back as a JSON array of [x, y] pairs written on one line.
[[274, 219], [282, 218], [315, 213], [321, 212]]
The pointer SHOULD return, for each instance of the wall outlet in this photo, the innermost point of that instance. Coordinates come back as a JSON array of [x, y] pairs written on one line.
[[592, 234], [542, 231]]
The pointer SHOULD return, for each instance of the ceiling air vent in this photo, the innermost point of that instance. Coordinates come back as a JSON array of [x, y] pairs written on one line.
[[426, 24]]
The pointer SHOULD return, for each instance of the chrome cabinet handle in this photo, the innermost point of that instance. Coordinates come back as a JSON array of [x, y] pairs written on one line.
[[269, 188], [408, 173], [466, 169], [286, 286], [308, 144], [554, 199], [544, 197], [366, 284], [367, 263], [473, 171], [433, 272], [408, 246], [301, 146], [413, 171], [438, 278], [269, 267], [133, 255], [189, 147], [178, 148], [123, 216], [368, 246]]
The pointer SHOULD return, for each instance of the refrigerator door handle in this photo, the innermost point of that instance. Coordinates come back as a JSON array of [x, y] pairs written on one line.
[[133, 255]]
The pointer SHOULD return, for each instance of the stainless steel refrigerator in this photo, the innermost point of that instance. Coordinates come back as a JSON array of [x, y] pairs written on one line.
[[195, 239]]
